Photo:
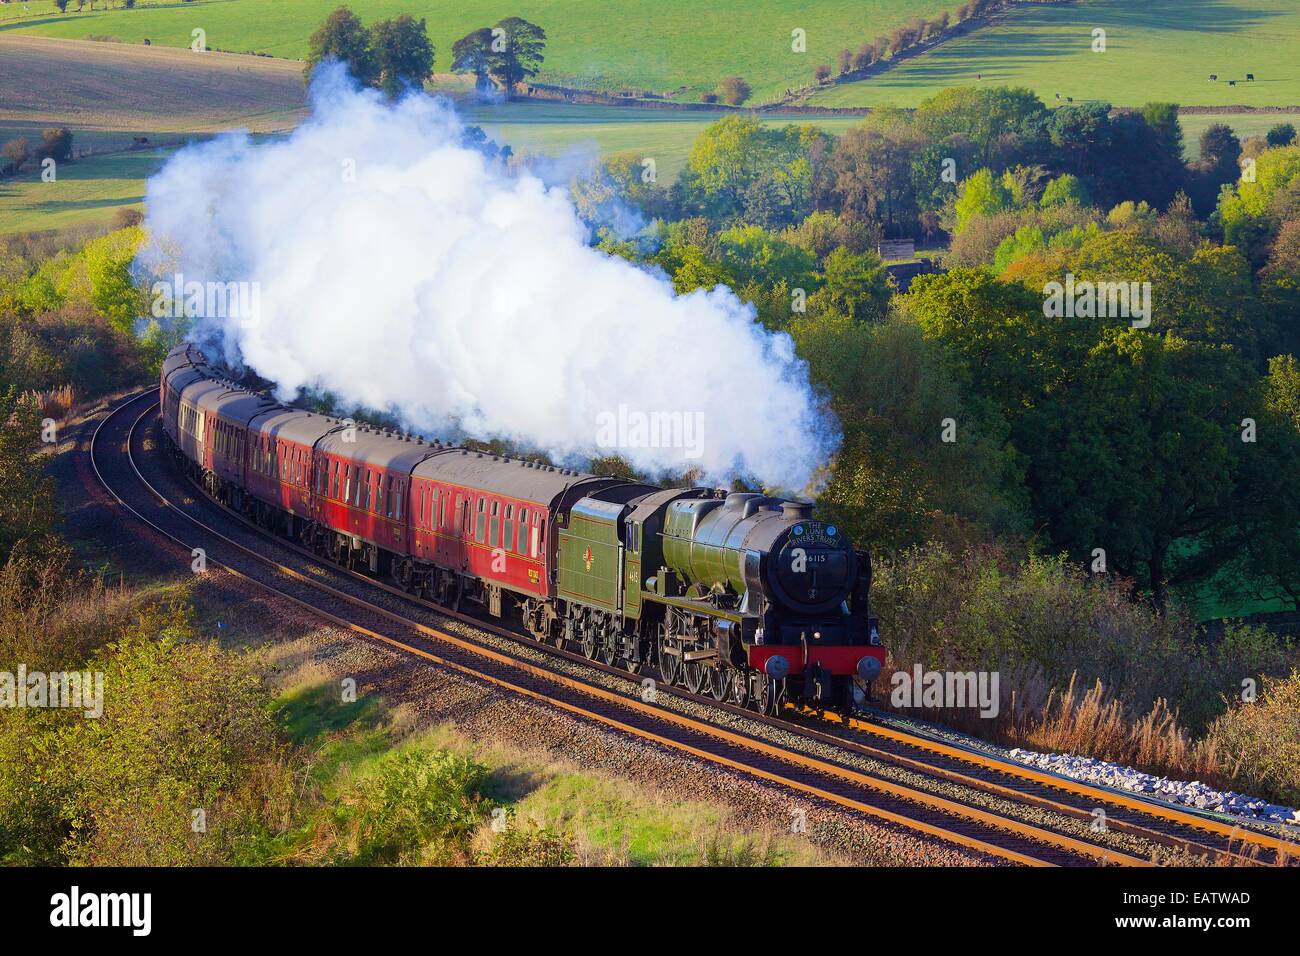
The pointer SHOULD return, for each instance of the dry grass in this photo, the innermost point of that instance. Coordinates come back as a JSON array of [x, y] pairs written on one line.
[[1092, 722], [52, 615], [56, 403], [1084, 669]]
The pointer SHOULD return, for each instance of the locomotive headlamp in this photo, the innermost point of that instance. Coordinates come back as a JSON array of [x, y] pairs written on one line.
[[868, 669], [777, 667]]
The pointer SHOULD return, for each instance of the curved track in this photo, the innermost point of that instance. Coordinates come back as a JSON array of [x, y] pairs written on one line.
[[997, 834]]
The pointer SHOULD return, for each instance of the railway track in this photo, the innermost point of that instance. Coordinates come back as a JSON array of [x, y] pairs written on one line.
[[998, 834]]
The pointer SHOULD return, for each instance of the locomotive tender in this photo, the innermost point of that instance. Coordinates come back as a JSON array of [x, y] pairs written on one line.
[[739, 595]]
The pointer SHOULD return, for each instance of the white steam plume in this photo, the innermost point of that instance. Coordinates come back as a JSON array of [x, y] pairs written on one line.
[[453, 294]]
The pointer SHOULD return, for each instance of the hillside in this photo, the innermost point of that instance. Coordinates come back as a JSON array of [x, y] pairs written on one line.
[[1155, 50], [673, 46]]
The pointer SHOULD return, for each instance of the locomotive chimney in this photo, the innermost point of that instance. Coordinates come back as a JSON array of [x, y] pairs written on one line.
[[797, 510]]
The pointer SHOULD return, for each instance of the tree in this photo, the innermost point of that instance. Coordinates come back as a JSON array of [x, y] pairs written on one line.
[[984, 116], [1098, 147], [980, 194], [472, 53], [733, 90], [1283, 134], [869, 174], [738, 167], [61, 5], [822, 72], [1163, 119], [1132, 440], [343, 37], [1221, 148], [895, 483], [856, 284], [1245, 212], [753, 254], [12, 155], [56, 144], [1065, 188], [403, 55], [516, 51]]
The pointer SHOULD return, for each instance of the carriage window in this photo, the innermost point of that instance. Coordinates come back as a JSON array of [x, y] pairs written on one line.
[[399, 494], [523, 531], [347, 484], [421, 516], [462, 505], [508, 539], [532, 546], [494, 530], [480, 526]]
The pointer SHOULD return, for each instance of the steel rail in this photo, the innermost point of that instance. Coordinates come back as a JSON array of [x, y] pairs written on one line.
[[940, 804]]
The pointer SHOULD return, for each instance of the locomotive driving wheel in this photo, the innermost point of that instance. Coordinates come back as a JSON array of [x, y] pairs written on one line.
[[767, 695], [586, 631], [695, 675], [740, 695], [669, 664], [632, 651], [719, 682]]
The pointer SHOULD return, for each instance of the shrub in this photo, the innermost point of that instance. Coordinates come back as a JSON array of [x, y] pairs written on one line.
[[12, 156], [530, 845], [417, 807], [1258, 743], [185, 726], [56, 144], [733, 90]]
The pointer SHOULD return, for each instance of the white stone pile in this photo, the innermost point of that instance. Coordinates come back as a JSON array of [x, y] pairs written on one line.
[[1190, 794]]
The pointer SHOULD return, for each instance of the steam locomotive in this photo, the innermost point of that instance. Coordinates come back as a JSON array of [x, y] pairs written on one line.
[[742, 596]]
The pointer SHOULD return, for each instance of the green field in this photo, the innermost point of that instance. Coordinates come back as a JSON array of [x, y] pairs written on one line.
[[678, 47], [86, 191], [1155, 50], [1243, 124]]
